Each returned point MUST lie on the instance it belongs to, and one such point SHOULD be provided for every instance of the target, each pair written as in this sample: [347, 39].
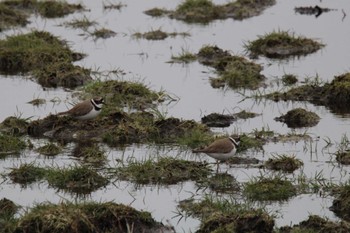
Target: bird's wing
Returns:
[80, 109]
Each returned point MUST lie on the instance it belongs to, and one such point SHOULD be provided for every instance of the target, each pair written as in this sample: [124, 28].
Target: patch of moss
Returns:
[341, 202]
[165, 171]
[7, 208]
[11, 17]
[158, 35]
[218, 120]
[221, 183]
[299, 117]
[48, 9]
[156, 12]
[77, 179]
[14, 125]
[62, 74]
[205, 11]
[90, 153]
[86, 217]
[245, 115]
[235, 71]
[224, 216]
[248, 142]
[269, 189]
[37, 102]
[343, 157]
[55, 9]
[184, 57]
[103, 33]
[284, 162]
[282, 44]
[120, 94]
[83, 23]
[289, 79]
[10, 144]
[50, 149]
[26, 174]
[40, 51]
[316, 224]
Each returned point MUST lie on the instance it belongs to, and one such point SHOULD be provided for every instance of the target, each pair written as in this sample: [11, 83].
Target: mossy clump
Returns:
[316, 224]
[165, 171]
[83, 23]
[11, 17]
[90, 153]
[235, 71]
[103, 33]
[48, 9]
[49, 149]
[46, 56]
[86, 217]
[218, 120]
[37, 102]
[156, 12]
[7, 209]
[343, 157]
[248, 142]
[143, 127]
[221, 183]
[224, 216]
[298, 118]
[158, 35]
[62, 74]
[282, 44]
[10, 144]
[27, 173]
[289, 79]
[341, 202]
[76, 179]
[120, 94]
[14, 125]
[205, 11]
[284, 163]
[183, 57]
[269, 189]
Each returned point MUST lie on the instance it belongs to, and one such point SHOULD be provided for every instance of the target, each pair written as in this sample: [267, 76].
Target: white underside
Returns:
[221, 156]
[91, 115]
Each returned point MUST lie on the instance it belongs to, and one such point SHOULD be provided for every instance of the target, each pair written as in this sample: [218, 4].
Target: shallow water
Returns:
[146, 61]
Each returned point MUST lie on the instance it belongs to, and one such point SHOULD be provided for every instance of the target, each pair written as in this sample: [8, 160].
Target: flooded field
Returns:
[184, 94]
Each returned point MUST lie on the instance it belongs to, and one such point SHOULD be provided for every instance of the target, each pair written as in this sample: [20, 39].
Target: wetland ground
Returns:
[103, 36]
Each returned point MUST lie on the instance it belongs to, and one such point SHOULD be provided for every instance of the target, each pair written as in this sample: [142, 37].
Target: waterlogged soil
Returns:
[235, 69]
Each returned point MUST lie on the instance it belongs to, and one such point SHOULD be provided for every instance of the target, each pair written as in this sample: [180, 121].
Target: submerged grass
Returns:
[50, 149]
[26, 174]
[75, 179]
[165, 171]
[10, 144]
[224, 216]
[269, 189]
[284, 162]
[11, 17]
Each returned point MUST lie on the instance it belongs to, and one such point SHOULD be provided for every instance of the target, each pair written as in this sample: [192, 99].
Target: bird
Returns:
[86, 110]
[221, 149]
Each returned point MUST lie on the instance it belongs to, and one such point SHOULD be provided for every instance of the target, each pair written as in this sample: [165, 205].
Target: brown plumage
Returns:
[85, 110]
[221, 149]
